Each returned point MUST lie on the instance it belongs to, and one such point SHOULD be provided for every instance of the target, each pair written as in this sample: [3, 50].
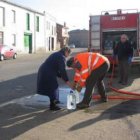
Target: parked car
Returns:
[7, 52]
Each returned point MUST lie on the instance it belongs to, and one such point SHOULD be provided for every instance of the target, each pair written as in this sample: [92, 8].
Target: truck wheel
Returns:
[15, 56]
[1, 58]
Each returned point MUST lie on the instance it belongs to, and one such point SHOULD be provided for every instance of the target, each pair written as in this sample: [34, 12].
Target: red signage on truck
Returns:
[105, 31]
[119, 21]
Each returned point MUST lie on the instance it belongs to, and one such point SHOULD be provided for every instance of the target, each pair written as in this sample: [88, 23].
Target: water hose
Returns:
[118, 90]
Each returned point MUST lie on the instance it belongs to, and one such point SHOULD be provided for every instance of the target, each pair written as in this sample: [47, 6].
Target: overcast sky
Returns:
[76, 12]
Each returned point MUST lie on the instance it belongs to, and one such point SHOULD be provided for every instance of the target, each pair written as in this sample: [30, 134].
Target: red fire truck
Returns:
[105, 31]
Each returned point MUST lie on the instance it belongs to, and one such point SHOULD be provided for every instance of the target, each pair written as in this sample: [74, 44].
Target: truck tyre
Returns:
[15, 56]
[1, 57]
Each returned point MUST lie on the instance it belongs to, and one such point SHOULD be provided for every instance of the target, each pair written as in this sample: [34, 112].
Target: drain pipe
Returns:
[34, 32]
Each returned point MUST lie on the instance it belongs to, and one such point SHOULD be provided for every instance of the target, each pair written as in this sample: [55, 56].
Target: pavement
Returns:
[26, 116]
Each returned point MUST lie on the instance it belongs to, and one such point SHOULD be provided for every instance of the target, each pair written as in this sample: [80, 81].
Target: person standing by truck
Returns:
[53, 67]
[123, 52]
[90, 70]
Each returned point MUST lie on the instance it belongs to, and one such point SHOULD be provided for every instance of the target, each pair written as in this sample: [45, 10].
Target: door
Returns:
[52, 43]
[28, 42]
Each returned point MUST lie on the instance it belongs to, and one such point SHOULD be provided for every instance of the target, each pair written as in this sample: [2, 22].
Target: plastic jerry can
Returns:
[71, 101]
[77, 94]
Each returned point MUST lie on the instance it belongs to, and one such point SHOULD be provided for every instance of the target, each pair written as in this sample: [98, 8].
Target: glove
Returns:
[129, 60]
[74, 84]
[78, 87]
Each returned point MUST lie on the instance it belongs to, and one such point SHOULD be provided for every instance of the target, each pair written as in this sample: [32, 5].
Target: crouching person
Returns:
[53, 67]
[90, 69]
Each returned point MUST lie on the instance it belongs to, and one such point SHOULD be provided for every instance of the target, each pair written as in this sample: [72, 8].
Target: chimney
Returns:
[64, 24]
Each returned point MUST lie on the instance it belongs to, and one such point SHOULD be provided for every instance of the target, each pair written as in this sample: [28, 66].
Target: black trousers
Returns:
[96, 78]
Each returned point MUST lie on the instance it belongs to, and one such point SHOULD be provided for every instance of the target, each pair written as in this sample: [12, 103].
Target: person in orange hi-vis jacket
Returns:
[90, 70]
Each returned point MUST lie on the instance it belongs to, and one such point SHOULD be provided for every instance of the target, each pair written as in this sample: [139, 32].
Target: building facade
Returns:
[50, 32]
[29, 31]
[79, 38]
[62, 35]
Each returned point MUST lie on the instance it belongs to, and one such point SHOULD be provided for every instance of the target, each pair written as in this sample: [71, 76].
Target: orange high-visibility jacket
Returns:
[89, 61]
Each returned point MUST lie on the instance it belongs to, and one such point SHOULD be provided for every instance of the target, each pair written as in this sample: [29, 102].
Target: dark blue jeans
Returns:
[54, 95]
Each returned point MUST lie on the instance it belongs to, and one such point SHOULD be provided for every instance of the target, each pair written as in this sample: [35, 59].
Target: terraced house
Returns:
[25, 28]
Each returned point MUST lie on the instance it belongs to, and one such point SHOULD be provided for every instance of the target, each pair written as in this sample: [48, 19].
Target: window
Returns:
[48, 25]
[13, 16]
[28, 21]
[52, 30]
[37, 23]
[2, 16]
[13, 39]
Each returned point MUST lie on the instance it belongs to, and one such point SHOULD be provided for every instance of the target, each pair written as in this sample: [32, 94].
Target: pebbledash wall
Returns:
[25, 29]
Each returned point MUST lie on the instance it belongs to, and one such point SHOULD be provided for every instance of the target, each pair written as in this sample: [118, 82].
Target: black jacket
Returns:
[48, 72]
[123, 51]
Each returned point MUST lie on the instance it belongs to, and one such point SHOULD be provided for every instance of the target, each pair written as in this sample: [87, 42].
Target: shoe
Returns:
[54, 107]
[120, 82]
[124, 83]
[104, 99]
[57, 102]
[82, 105]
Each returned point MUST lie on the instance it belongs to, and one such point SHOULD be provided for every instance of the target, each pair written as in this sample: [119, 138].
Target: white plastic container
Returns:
[71, 101]
[77, 94]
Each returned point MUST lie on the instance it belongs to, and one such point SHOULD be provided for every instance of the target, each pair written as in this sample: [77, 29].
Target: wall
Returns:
[19, 28]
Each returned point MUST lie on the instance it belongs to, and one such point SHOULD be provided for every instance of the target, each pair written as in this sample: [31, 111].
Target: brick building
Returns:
[62, 35]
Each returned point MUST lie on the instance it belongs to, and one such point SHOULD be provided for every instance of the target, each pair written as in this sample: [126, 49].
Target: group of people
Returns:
[90, 70]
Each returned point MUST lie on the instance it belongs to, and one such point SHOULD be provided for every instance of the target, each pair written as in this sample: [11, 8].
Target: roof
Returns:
[23, 7]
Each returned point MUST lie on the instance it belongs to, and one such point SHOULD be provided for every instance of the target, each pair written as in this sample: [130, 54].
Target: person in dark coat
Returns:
[124, 52]
[53, 67]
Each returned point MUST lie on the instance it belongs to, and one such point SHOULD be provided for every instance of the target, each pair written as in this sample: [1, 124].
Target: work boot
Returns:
[54, 107]
[104, 99]
[82, 105]
[57, 102]
[124, 83]
[119, 81]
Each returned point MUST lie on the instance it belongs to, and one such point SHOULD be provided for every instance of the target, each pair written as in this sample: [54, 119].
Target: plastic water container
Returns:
[71, 101]
[77, 94]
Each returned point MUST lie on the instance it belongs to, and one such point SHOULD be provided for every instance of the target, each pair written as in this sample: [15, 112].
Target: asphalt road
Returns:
[18, 77]
[114, 120]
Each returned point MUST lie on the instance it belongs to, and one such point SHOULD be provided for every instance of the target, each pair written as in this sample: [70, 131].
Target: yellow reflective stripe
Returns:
[96, 60]
[77, 74]
[82, 80]
[89, 60]
[84, 71]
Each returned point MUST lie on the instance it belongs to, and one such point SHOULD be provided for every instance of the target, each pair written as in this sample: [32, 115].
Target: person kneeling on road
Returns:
[90, 69]
[53, 67]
